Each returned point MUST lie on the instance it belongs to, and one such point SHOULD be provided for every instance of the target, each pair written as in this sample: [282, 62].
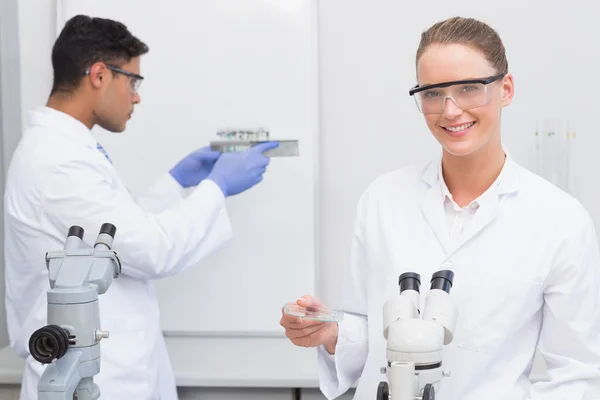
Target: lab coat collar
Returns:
[507, 182]
[61, 123]
[489, 202]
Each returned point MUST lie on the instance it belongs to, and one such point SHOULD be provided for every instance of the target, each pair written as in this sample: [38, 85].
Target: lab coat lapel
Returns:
[433, 207]
[490, 202]
[487, 212]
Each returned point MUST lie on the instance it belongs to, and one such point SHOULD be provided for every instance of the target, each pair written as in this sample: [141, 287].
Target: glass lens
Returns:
[135, 83]
[466, 97]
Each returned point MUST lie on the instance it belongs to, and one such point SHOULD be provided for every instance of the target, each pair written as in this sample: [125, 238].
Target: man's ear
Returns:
[97, 74]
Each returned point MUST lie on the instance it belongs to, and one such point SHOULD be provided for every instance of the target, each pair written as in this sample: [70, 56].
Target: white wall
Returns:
[10, 121]
[37, 32]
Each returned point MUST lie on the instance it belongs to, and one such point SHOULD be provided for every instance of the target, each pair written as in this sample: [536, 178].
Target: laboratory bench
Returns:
[233, 368]
[220, 369]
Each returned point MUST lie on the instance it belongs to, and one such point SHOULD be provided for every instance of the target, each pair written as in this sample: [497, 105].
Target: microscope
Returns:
[415, 339]
[70, 343]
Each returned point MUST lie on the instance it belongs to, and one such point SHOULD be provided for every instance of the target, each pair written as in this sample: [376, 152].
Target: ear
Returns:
[98, 75]
[508, 89]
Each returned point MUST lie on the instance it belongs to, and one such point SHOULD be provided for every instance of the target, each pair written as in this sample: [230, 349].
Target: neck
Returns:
[73, 105]
[468, 177]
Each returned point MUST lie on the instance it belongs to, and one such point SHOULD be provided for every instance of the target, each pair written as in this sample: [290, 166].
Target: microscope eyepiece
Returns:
[49, 343]
[76, 231]
[409, 281]
[106, 236]
[109, 229]
[442, 280]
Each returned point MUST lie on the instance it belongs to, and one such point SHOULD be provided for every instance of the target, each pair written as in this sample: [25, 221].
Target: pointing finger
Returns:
[262, 147]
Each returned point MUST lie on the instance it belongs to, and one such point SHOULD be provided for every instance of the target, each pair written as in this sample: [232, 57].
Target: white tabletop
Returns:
[220, 362]
[231, 362]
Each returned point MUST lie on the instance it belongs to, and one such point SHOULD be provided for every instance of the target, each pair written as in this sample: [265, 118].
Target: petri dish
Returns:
[313, 313]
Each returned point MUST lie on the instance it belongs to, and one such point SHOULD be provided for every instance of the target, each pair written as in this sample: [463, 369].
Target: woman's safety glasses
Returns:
[466, 94]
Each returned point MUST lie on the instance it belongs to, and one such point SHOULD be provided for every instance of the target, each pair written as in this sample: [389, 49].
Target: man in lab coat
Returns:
[59, 176]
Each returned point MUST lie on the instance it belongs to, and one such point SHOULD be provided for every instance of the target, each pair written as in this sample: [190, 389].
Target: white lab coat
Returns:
[58, 178]
[527, 268]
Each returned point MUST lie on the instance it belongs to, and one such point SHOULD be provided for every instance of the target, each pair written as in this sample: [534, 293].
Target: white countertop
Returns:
[220, 362]
[11, 367]
[225, 362]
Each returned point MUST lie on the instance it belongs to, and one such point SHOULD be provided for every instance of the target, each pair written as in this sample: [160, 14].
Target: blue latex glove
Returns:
[239, 171]
[194, 167]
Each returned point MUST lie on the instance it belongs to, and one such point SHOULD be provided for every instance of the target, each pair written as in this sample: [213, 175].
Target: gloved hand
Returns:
[194, 167]
[238, 171]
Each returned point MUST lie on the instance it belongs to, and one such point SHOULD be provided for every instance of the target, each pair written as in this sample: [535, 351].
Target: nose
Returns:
[451, 109]
[136, 98]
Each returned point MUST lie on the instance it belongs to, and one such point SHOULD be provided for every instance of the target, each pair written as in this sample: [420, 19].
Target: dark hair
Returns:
[468, 31]
[84, 41]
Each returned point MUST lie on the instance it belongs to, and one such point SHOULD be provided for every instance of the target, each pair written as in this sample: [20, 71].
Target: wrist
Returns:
[176, 177]
[219, 182]
[331, 343]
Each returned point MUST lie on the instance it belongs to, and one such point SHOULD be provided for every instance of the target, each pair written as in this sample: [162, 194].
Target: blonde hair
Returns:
[468, 31]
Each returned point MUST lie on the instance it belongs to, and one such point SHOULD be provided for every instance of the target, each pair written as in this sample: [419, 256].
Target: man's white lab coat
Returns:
[527, 268]
[58, 178]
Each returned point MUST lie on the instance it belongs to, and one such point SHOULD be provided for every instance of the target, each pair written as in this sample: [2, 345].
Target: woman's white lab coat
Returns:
[526, 269]
[58, 178]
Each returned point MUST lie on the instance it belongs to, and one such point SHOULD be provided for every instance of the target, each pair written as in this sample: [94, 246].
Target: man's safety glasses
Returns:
[466, 94]
[135, 80]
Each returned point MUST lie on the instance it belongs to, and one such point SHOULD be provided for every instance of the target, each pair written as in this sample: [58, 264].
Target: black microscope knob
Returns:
[428, 392]
[49, 343]
[383, 391]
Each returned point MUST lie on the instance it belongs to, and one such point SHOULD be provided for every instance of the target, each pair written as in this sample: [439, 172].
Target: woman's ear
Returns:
[508, 89]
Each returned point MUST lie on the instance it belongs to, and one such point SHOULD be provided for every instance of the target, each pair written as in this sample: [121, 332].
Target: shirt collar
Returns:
[507, 182]
[63, 124]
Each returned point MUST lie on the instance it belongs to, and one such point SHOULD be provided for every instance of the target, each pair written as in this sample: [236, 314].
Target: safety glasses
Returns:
[135, 80]
[466, 94]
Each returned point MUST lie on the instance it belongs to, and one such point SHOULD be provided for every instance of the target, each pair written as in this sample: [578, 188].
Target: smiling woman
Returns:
[475, 211]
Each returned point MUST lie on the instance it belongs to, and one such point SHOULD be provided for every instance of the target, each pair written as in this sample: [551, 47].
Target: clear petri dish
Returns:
[313, 313]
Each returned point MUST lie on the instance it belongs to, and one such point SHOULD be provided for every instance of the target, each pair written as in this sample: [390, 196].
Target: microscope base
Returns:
[70, 378]
[405, 383]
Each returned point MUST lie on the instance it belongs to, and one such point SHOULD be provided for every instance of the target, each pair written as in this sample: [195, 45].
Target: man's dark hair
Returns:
[84, 41]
